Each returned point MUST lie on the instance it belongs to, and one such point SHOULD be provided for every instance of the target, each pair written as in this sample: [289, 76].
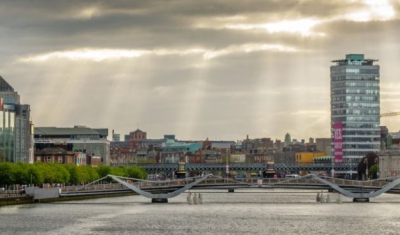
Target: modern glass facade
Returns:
[16, 143]
[7, 142]
[355, 103]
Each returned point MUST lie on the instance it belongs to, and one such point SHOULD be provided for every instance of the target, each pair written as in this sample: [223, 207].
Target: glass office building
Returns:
[16, 137]
[355, 108]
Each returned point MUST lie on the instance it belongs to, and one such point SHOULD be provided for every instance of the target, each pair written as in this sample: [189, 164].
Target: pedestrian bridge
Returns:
[160, 191]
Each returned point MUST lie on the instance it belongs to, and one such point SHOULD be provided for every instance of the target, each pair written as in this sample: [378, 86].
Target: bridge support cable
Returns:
[365, 195]
[103, 178]
[339, 189]
[387, 187]
[164, 195]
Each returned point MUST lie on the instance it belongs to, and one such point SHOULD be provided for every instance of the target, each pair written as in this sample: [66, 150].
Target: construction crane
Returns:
[390, 114]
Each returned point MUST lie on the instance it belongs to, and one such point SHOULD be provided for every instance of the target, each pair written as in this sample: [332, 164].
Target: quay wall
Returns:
[7, 201]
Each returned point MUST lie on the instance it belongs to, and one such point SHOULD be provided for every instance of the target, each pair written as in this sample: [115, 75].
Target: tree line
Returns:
[40, 173]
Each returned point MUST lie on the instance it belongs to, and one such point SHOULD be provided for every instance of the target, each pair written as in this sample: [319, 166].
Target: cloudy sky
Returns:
[196, 69]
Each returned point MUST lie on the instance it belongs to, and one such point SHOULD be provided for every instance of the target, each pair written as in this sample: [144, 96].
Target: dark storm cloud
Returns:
[209, 8]
[56, 25]
[367, 37]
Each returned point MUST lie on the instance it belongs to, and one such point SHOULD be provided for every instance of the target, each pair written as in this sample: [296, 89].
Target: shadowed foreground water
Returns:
[278, 212]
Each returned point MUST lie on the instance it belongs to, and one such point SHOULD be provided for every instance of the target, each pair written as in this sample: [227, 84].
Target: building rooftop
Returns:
[65, 131]
[4, 86]
[102, 131]
[354, 59]
[52, 150]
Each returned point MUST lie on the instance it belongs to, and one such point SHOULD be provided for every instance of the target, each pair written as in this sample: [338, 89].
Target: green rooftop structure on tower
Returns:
[355, 57]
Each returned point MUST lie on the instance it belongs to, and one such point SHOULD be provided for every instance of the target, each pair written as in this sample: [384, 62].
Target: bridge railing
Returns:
[93, 187]
[117, 186]
[220, 181]
[160, 167]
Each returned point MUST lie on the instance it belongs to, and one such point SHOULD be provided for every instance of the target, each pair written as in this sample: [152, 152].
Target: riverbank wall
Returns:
[8, 201]
[19, 200]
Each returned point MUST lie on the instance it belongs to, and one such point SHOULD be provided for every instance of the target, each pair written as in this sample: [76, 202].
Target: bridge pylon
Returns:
[159, 200]
[181, 173]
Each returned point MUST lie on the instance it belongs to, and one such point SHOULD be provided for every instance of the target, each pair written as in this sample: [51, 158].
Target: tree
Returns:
[73, 173]
[373, 171]
[103, 170]
[92, 173]
[119, 171]
[62, 174]
[137, 172]
[21, 175]
[49, 172]
[35, 174]
[6, 174]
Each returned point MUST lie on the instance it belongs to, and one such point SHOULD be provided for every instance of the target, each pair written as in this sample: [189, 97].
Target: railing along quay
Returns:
[11, 193]
[169, 167]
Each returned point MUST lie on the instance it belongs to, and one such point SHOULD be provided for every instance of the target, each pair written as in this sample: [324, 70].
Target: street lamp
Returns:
[227, 164]
[366, 168]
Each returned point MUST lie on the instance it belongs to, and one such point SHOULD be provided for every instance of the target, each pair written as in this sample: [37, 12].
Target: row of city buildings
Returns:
[355, 131]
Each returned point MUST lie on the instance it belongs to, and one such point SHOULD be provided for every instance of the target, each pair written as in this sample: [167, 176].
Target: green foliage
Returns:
[39, 173]
[62, 174]
[73, 173]
[2, 157]
[92, 173]
[35, 174]
[119, 171]
[7, 174]
[21, 174]
[136, 172]
[103, 170]
[49, 173]
[373, 171]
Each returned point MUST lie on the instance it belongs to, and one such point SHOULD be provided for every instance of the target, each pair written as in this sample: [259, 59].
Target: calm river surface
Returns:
[242, 212]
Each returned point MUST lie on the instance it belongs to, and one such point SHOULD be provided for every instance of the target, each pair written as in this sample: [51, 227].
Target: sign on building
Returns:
[338, 141]
[80, 159]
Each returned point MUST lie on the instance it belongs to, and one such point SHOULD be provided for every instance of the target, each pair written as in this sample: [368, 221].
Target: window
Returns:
[60, 159]
[48, 159]
[355, 71]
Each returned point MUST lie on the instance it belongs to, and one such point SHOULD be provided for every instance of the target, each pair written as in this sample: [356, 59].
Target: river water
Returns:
[242, 212]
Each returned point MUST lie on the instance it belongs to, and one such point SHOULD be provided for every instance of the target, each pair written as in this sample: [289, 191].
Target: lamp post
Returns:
[366, 168]
[227, 165]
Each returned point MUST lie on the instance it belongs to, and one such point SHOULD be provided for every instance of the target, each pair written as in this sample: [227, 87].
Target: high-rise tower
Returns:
[16, 134]
[355, 108]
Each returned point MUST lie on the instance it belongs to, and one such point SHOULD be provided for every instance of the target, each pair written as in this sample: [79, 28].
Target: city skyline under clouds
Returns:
[196, 69]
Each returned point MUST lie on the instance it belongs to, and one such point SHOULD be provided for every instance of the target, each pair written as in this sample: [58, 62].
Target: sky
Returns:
[216, 69]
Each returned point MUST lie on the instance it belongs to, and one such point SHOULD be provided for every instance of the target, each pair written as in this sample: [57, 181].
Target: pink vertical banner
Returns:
[338, 141]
